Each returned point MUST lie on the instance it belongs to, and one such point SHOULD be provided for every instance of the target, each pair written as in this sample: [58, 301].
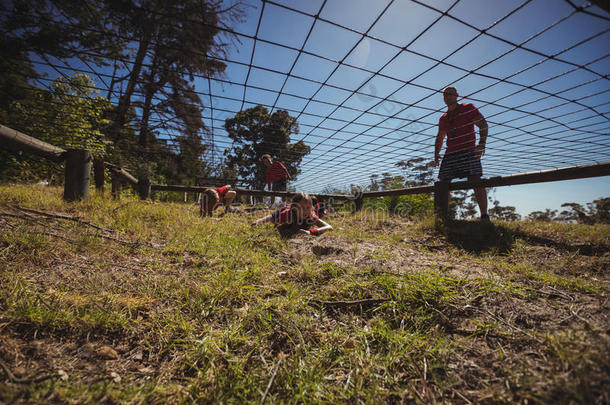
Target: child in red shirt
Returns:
[297, 218]
[276, 176]
[211, 198]
[319, 207]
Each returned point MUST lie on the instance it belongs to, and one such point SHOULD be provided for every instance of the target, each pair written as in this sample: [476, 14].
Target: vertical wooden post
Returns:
[358, 201]
[78, 175]
[143, 187]
[116, 186]
[441, 200]
[98, 173]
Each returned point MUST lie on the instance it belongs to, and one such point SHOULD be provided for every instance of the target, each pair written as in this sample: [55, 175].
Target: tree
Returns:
[505, 213]
[546, 216]
[173, 41]
[67, 116]
[418, 171]
[255, 132]
[574, 212]
[597, 211]
[600, 210]
[374, 183]
[167, 44]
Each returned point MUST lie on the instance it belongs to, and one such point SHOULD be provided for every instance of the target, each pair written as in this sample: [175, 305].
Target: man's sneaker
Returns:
[485, 217]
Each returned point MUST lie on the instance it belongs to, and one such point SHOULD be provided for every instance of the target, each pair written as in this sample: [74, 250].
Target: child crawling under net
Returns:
[212, 197]
[296, 218]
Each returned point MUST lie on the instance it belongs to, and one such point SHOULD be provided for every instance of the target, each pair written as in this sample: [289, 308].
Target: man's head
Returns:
[267, 159]
[209, 199]
[450, 95]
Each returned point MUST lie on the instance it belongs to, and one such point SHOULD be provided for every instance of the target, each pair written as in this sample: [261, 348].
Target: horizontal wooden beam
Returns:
[219, 181]
[565, 173]
[399, 191]
[243, 191]
[121, 172]
[20, 142]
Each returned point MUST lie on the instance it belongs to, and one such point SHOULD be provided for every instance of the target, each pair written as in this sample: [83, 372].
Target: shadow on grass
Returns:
[481, 236]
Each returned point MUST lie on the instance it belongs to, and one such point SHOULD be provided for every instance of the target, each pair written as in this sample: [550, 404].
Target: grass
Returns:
[200, 310]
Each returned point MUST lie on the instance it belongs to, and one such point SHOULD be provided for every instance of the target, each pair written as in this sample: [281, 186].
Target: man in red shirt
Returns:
[463, 156]
[212, 196]
[276, 176]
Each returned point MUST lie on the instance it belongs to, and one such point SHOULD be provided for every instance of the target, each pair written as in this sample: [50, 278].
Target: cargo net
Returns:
[364, 80]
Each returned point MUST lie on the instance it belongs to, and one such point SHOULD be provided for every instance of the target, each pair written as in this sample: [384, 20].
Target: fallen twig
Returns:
[463, 397]
[558, 292]
[277, 366]
[24, 380]
[101, 235]
[60, 216]
[497, 318]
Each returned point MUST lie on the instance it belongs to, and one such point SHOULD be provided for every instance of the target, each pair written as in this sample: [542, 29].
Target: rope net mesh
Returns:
[365, 79]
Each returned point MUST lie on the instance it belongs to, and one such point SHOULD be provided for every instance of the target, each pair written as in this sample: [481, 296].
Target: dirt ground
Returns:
[556, 336]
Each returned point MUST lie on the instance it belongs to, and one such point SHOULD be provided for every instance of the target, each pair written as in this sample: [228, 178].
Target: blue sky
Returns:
[364, 79]
[365, 86]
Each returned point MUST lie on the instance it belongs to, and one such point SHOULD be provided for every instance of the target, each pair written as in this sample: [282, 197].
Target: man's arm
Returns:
[438, 145]
[286, 171]
[483, 128]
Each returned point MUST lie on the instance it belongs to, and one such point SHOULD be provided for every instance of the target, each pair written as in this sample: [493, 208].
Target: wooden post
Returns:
[143, 187]
[358, 201]
[78, 175]
[441, 200]
[98, 173]
[116, 186]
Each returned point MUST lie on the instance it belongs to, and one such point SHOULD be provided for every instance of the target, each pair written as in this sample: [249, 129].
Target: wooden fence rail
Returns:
[78, 167]
[243, 191]
[441, 188]
[565, 173]
[20, 142]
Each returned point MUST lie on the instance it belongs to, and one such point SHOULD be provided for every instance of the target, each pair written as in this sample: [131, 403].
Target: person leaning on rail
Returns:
[276, 177]
[463, 156]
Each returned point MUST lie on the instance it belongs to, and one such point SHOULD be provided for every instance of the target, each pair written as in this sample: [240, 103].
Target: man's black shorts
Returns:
[279, 185]
[460, 164]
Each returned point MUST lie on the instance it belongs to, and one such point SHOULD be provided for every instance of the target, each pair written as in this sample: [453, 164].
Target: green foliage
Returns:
[169, 43]
[504, 213]
[69, 116]
[415, 205]
[545, 216]
[255, 132]
[597, 211]
[418, 171]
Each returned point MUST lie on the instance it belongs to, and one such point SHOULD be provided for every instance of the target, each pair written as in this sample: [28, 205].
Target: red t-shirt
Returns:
[222, 191]
[277, 171]
[284, 216]
[320, 210]
[459, 125]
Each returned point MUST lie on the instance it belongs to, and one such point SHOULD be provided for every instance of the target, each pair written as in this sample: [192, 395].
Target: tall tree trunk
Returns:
[125, 100]
[150, 88]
